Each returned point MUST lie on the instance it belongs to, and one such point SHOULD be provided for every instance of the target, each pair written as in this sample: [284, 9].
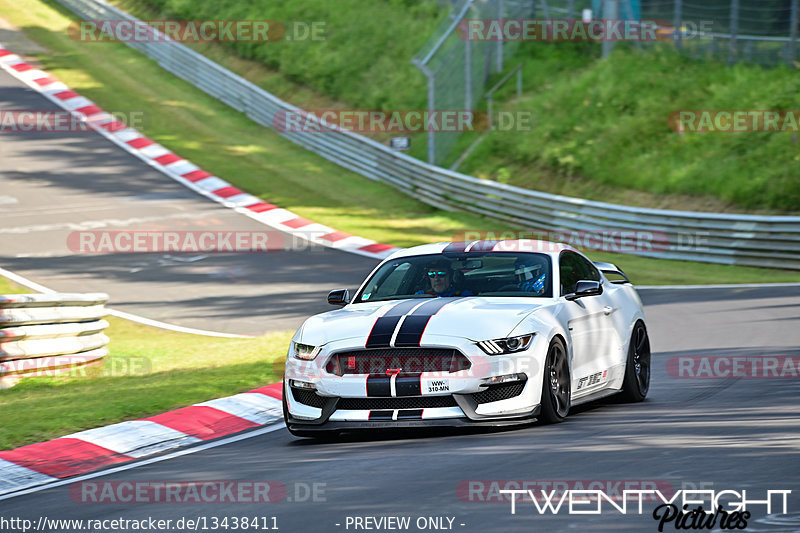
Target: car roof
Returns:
[461, 247]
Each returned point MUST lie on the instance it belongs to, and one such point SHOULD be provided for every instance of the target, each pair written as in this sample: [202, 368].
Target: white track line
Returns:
[129, 466]
[25, 282]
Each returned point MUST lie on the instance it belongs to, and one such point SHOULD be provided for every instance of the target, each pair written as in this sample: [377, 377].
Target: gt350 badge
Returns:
[591, 380]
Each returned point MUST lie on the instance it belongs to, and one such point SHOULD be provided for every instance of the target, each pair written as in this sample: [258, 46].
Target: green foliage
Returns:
[364, 58]
[606, 122]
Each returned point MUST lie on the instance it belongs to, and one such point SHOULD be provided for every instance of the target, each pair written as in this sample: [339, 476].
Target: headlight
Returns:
[507, 345]
[306, 351]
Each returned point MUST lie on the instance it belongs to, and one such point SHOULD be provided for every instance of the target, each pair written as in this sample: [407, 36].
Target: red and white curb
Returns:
[86, 451]
[183, 171]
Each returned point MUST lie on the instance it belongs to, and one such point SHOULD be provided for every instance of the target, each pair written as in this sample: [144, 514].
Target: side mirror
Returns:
[339, 297]
[585, 288]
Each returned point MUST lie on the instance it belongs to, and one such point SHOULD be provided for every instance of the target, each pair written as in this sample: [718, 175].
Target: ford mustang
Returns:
[468, 333]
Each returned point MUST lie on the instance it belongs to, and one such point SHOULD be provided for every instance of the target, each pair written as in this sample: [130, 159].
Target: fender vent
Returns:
[495, 393]
[308, 397]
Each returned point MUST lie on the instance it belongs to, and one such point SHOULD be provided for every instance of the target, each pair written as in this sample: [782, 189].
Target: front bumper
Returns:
[460, 398]
[302, 427]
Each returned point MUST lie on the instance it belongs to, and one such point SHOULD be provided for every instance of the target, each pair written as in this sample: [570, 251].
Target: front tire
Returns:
[637, 369]
[556, 384]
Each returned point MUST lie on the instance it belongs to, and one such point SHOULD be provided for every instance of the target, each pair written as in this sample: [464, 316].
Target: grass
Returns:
[601, 129]
[165, 370]
[9, 287]
[148, 371]
[229, 145]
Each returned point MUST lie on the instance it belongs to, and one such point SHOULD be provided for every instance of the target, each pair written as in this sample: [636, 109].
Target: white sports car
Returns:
[463, 334]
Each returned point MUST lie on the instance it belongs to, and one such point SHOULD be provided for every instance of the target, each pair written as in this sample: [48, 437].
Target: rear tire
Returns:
[556, 384]
[637, 369]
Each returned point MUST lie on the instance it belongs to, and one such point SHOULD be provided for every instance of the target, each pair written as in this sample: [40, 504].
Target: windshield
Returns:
[473, 274]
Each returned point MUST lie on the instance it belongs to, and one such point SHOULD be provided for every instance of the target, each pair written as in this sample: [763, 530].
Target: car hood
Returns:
[474, 318]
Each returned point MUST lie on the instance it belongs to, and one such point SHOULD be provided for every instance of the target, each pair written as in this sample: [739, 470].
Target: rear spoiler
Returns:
[609, 268]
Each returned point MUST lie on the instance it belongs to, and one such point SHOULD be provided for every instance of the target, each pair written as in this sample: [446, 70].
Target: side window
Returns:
[574, 268]
[588, 270]
[388, 284]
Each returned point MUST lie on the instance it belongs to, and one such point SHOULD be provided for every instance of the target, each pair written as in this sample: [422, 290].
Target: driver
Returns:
[440, 276]
[530, 276]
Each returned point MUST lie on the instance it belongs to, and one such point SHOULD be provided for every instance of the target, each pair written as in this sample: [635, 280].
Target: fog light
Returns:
[507, 378]
[302, 384]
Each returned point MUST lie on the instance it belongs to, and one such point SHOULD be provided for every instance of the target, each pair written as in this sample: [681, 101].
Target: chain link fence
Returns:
[457, 69]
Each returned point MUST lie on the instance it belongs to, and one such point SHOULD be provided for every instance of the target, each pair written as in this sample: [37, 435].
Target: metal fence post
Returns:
[793, 31]
[499, 65]
[431, 107]
[677, 35]
[571, 9]
[610, 12]
[733, 31]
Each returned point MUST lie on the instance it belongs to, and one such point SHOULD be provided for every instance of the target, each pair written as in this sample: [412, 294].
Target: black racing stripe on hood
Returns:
[461, 247]
[455, 247]
[483, 246]
[384, 327]
[414, 324]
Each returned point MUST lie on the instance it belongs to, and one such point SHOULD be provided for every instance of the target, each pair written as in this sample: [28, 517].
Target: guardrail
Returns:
[772, 241]
[50, 334]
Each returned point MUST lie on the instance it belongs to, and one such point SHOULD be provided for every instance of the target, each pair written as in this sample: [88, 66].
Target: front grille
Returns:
[308, 397]
[396, 360]
[412, 402]
[495, 393]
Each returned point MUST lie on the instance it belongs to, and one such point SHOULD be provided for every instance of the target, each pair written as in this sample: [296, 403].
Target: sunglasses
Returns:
[438, 274]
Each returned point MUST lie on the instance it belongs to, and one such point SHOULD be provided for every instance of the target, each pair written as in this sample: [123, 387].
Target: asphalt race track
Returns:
[712, 434]
[53, 184]
[719, 433]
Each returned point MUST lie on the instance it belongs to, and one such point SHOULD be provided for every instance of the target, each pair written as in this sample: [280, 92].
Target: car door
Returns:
[590, 326]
